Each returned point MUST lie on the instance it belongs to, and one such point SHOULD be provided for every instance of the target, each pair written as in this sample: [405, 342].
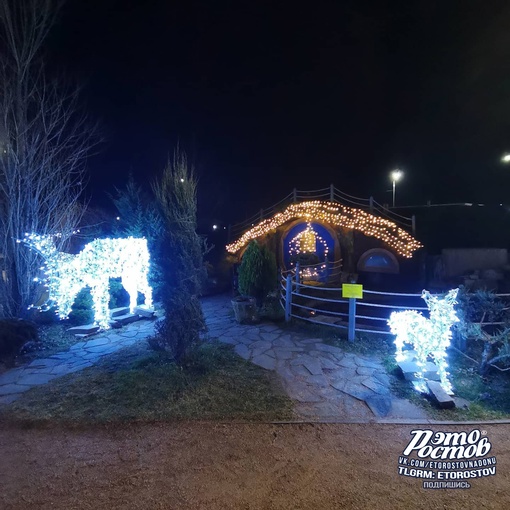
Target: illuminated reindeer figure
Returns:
[100, 260]
[429, 337]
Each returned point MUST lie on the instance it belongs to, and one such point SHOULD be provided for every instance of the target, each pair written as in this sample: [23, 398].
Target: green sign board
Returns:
[352, 290]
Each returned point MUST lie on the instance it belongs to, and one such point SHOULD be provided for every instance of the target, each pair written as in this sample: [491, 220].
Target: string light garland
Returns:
[312, 272]
[306, 242]
[337, 215]
[66, 274]
[429, 337]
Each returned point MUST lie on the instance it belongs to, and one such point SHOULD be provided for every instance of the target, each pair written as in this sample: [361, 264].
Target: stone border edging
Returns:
[382, 421]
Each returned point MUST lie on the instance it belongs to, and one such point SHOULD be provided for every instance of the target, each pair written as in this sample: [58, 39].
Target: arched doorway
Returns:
[311, 244]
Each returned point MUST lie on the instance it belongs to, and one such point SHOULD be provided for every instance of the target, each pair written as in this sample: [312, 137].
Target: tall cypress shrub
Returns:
[180, 258]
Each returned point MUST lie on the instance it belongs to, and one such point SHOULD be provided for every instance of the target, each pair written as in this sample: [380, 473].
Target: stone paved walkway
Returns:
[81, 355]
[325, 382]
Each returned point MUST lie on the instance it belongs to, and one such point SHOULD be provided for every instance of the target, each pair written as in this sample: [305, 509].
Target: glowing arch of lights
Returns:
[337, 215]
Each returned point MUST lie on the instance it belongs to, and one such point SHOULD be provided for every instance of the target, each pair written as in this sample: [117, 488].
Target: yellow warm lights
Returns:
[307, 240]
[337, 215]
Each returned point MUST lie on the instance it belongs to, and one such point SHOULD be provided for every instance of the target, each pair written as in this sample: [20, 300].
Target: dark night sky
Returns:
[265, 96]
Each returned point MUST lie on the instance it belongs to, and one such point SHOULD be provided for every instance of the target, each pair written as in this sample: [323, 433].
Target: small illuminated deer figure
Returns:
[429, 337]
[100, 260]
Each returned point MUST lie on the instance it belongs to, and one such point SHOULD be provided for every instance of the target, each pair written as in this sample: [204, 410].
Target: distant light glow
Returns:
[66, 274]
[505, 158]
[396, 175]
[429, 337]
[215, 227]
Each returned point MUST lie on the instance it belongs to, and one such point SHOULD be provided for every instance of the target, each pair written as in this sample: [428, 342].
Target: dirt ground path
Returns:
[217, 466]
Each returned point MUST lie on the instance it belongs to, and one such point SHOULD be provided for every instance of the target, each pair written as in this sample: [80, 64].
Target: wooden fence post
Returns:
[294, 195]
[298, 277]
[371, 204]
[288, 298]
[331, 193]
[413, 222]
[352, 319]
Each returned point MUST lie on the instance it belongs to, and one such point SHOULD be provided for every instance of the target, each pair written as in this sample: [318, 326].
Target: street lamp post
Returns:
[396, 175]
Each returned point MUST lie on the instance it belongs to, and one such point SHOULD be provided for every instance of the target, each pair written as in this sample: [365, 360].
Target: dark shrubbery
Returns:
[257, 272]
[118, 294]
[82, 312]
[14, 334]
[490, 343]
[219, 277]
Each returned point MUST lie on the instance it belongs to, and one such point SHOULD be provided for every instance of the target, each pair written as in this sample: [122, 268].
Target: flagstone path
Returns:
[325, 382]
[81, 355]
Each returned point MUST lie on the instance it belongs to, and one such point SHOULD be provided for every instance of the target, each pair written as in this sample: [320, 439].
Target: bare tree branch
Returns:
[45, 139]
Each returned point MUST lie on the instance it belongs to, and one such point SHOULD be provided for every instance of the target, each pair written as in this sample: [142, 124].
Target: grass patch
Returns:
[53, 338]
[489, 399]
[140, 385]
[489, 396]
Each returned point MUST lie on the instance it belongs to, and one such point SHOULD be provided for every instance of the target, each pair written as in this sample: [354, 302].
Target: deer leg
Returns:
[439, 358]
[146, 290]
[101, 297]
[129, 283]
[399, 346]
[421, 361]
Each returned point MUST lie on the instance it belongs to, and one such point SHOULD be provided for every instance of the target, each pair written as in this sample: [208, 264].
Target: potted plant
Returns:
[245, 310]
[257, 276]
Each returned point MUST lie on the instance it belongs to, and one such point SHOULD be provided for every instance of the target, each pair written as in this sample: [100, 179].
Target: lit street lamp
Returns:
[396, 175]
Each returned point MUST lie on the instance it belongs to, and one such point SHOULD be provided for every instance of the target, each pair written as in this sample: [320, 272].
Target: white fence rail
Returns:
[323, 304]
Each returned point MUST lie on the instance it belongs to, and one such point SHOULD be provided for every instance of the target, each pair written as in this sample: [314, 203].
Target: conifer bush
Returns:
[257, 272]
[179, 255]
[81, 311]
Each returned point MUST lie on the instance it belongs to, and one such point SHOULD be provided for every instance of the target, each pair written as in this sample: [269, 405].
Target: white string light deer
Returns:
[429, 337]
[66, 274]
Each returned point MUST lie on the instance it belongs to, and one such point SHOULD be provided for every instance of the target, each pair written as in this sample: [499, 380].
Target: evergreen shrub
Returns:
[82, 310]
[257, 272]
